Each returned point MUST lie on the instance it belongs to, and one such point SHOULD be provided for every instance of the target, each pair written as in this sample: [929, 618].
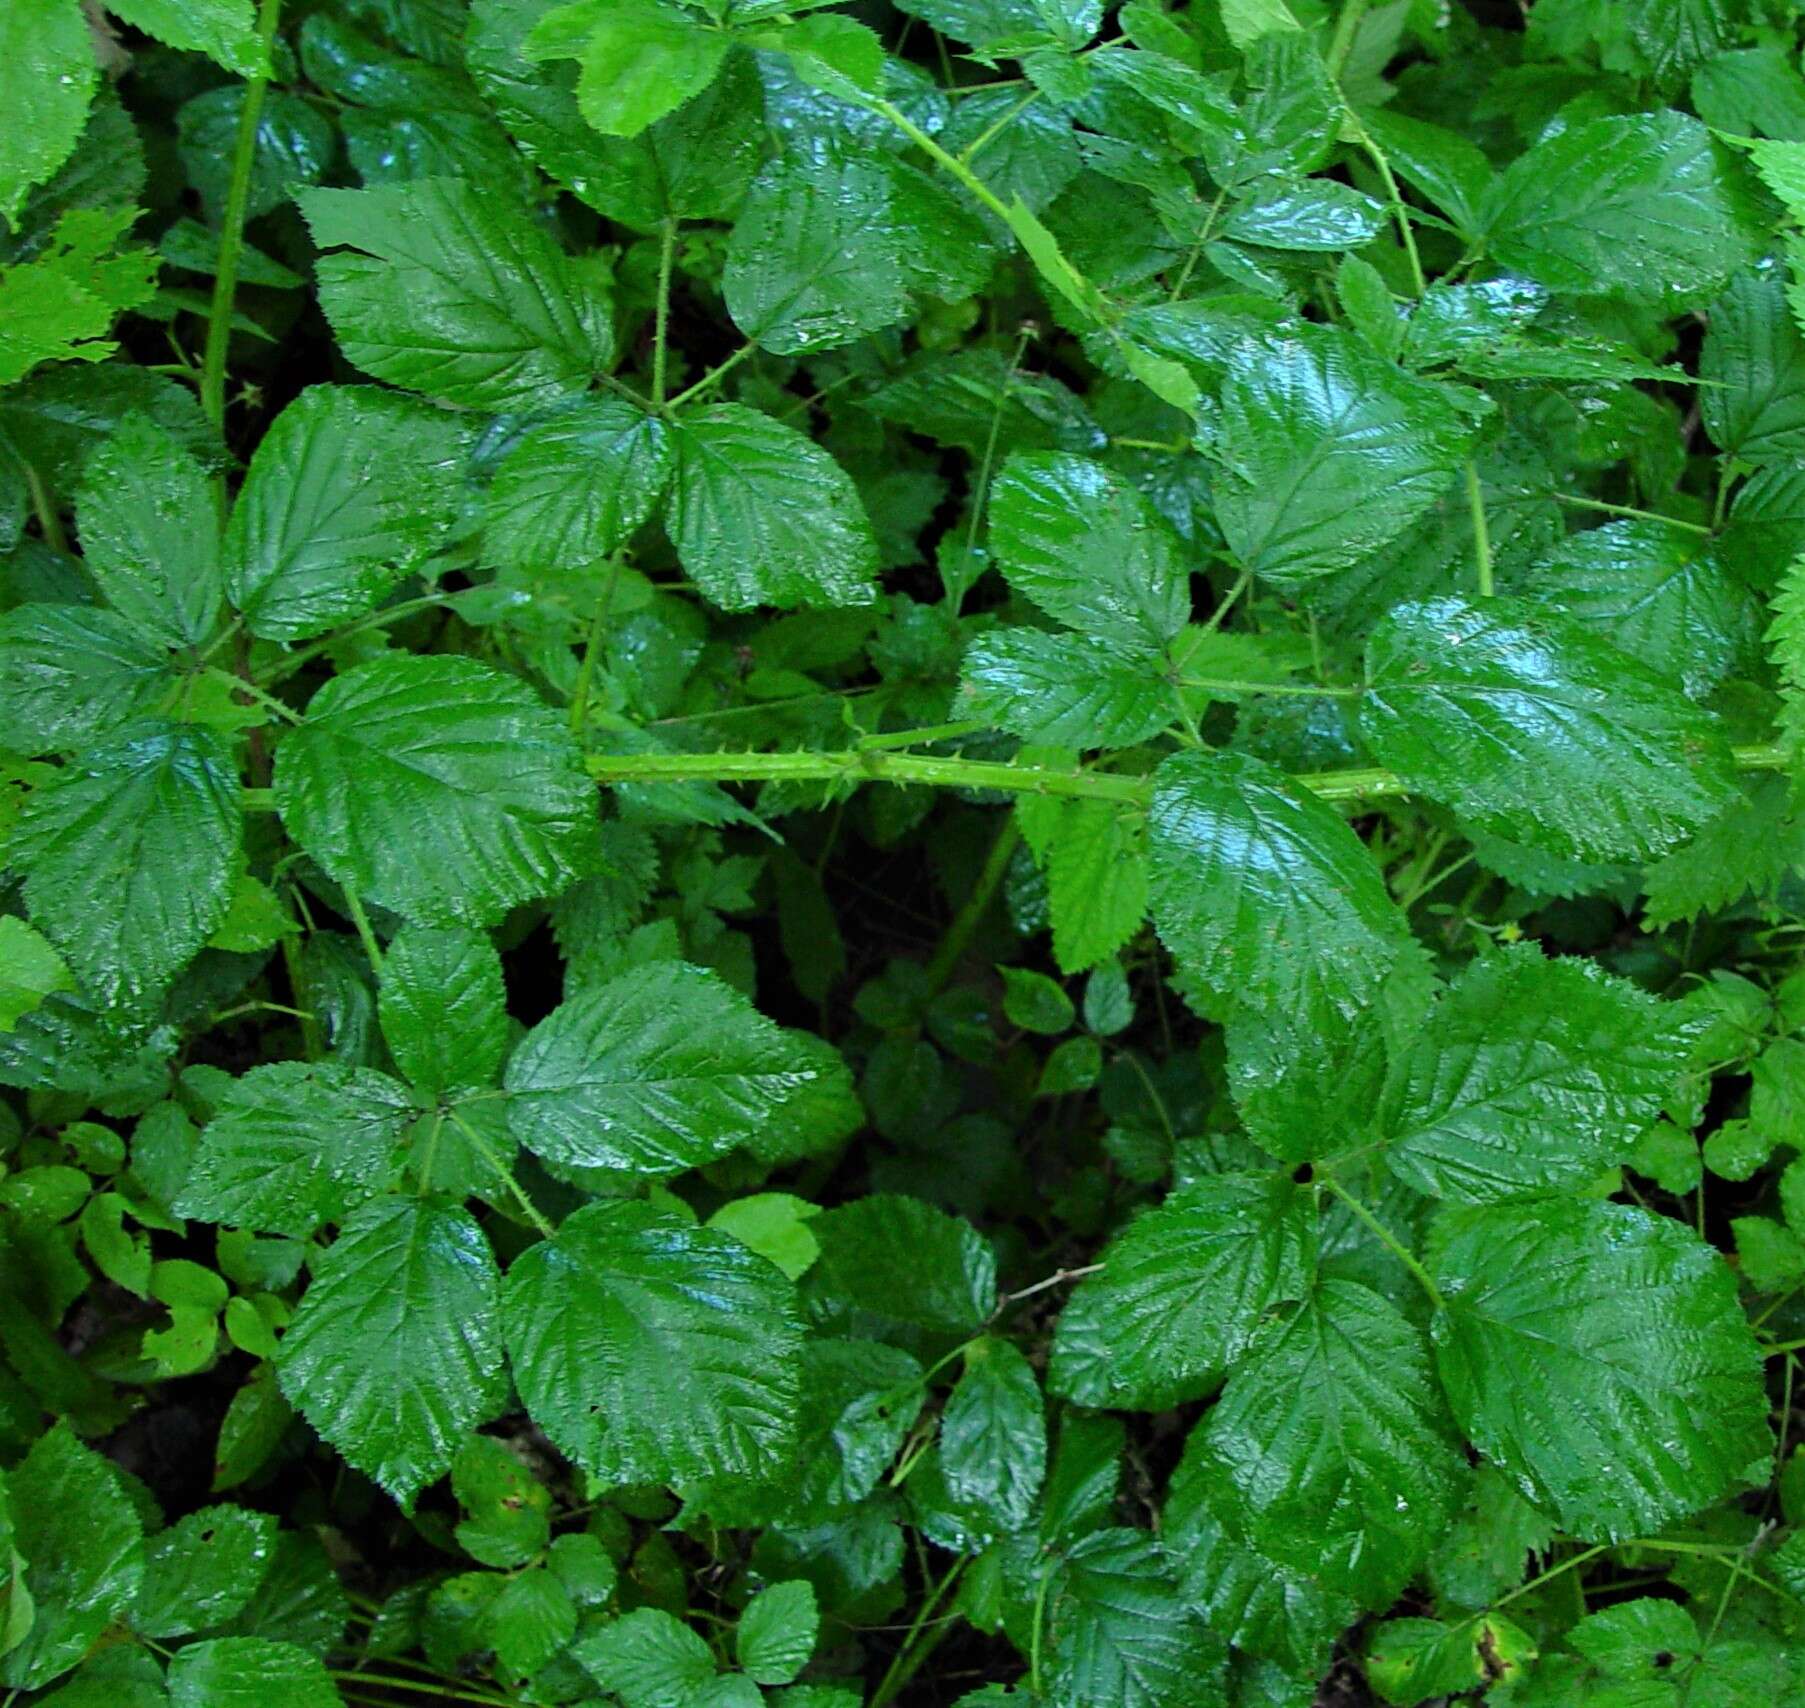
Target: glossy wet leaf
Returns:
[444, 1008]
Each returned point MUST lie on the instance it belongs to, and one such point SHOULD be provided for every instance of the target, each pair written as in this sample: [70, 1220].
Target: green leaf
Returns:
[69, 674]
[640, 58]
[650, 1351]
[1120, 1631]
[1183, 1288]
[1035, 1002]
[47, 46]
[1535, 731]
[1096, 881]
[296, 145]
[249, 1672]
[1066, 690]
[129, 853]
[1531, 1076]
[224, 30]
[440, 787]
[776, 1634]
[993, 1435]
[1643, 204]
[456, 294]
[60, 306]
[1334, 1445]
[812, 263]
[507, 1522]
[351, 488]
[577, 487]
[1752, 365]
[1576, 1335]
[295, 1144]
[395, 1351]
[1089, 550]
[444, 1009]
[202, 1570]
[143, 515]
[1326, 452]
[648, 1659]
[81, 1538]
[763, 516]
[661, 1069]
[1305, 214]
[899, 1259]
[775, 1225]
[1247, 20]
[1261, 891]
[30, 970]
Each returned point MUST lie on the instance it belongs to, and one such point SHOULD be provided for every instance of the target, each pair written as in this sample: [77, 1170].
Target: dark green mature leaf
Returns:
[1334, 1445]
[1327, 451]
[1262, 892]
[776, 1633]
[439, 787]
[81, 1539]
[1088, 550]
[295, 1144]
[813, 262]
[249, 1672]
[1534, 730]
[1066, 690]
[1598, 1356]
[899, 1259]
[1120, 1631]
[993, 1435]
[350, 489]
[129, 853]
[650, 1659]
[1531, 1076]
[70, 673]
[46, 43]
[651, 1351]
[1183, 1289]
[1646, 204]
[456, 295]
[1753, 366]
[444, 1008]
[202, 1570]
[661, 1069]
[395, 1352]
[577, 487]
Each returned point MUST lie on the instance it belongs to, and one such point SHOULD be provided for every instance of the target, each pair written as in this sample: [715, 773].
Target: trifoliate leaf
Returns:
[456, 295]
[395, 1351]
[650, 1351]
[1575, 1336]
[763, 516]
[440, 787]
[1183, 1288]
[350, 489]
[1537, 731]
[295, 1144]
[444, 1008]
[661, 1069]
[1531, 1076]
[129, 855]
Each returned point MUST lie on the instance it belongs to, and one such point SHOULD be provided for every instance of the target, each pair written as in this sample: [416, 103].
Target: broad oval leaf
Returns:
[395, 1351]
[1535, 730]
[444, 1008]
[439, 787]
[993, 1435]
[654, 1352]
[70, 673]
[1066, 690]
[1598, 1355]
[249, 1672]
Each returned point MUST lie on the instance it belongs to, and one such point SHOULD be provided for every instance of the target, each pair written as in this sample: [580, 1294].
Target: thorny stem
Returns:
[667, 255]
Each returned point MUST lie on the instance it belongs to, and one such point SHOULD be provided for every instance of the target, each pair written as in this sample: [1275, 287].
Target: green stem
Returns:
[916, 1647]
[985, 138]
[977, 904]
[287, 666]
[243, 685]
[1629, 510]
[355, 907]
[667, 255]
[924, 734]
[444, 1691]
[488, 1153]
[1341, 44]
[43, 506]
[1229, 685]
[1386, 1238]
[592, 646]
[1040, 1619]
[712, 378]
[231, 236]
[1553, 1572]
[950, 162]
[1482, 539]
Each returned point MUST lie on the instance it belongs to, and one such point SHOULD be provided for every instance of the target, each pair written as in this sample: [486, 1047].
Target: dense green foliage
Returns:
[903, 852]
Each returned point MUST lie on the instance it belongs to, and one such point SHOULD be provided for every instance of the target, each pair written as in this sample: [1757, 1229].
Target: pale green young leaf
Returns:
[661, 1069]
[1066, 690]
[993, 1435]
[395, 1351]
[30, 970]
[1260, 890]
[1644, 203]
[1183, 1288]
[295, 1144]
[813, 262]
[60, 306]
[640, 59]
[202, 1570]
[71, 673]
[1782, 168]
[224, 30]
[1535, 730]
[448, 290]
[129, 854]
[1089, 550]
[761, 515]
[349, 489]
[440, 787]
[1751, 90]
[444, 1008]
[577, 487]
[1531, 1076]
[1335, 1447]
[776, 1634]
[1327, 451]
[1786, 647]
[1576, 1335]
[46, 45]
[1096, 867]
[249, 1672]
[654, 1352]
[775, 1225]
[1247, 20]
[1752, 364]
